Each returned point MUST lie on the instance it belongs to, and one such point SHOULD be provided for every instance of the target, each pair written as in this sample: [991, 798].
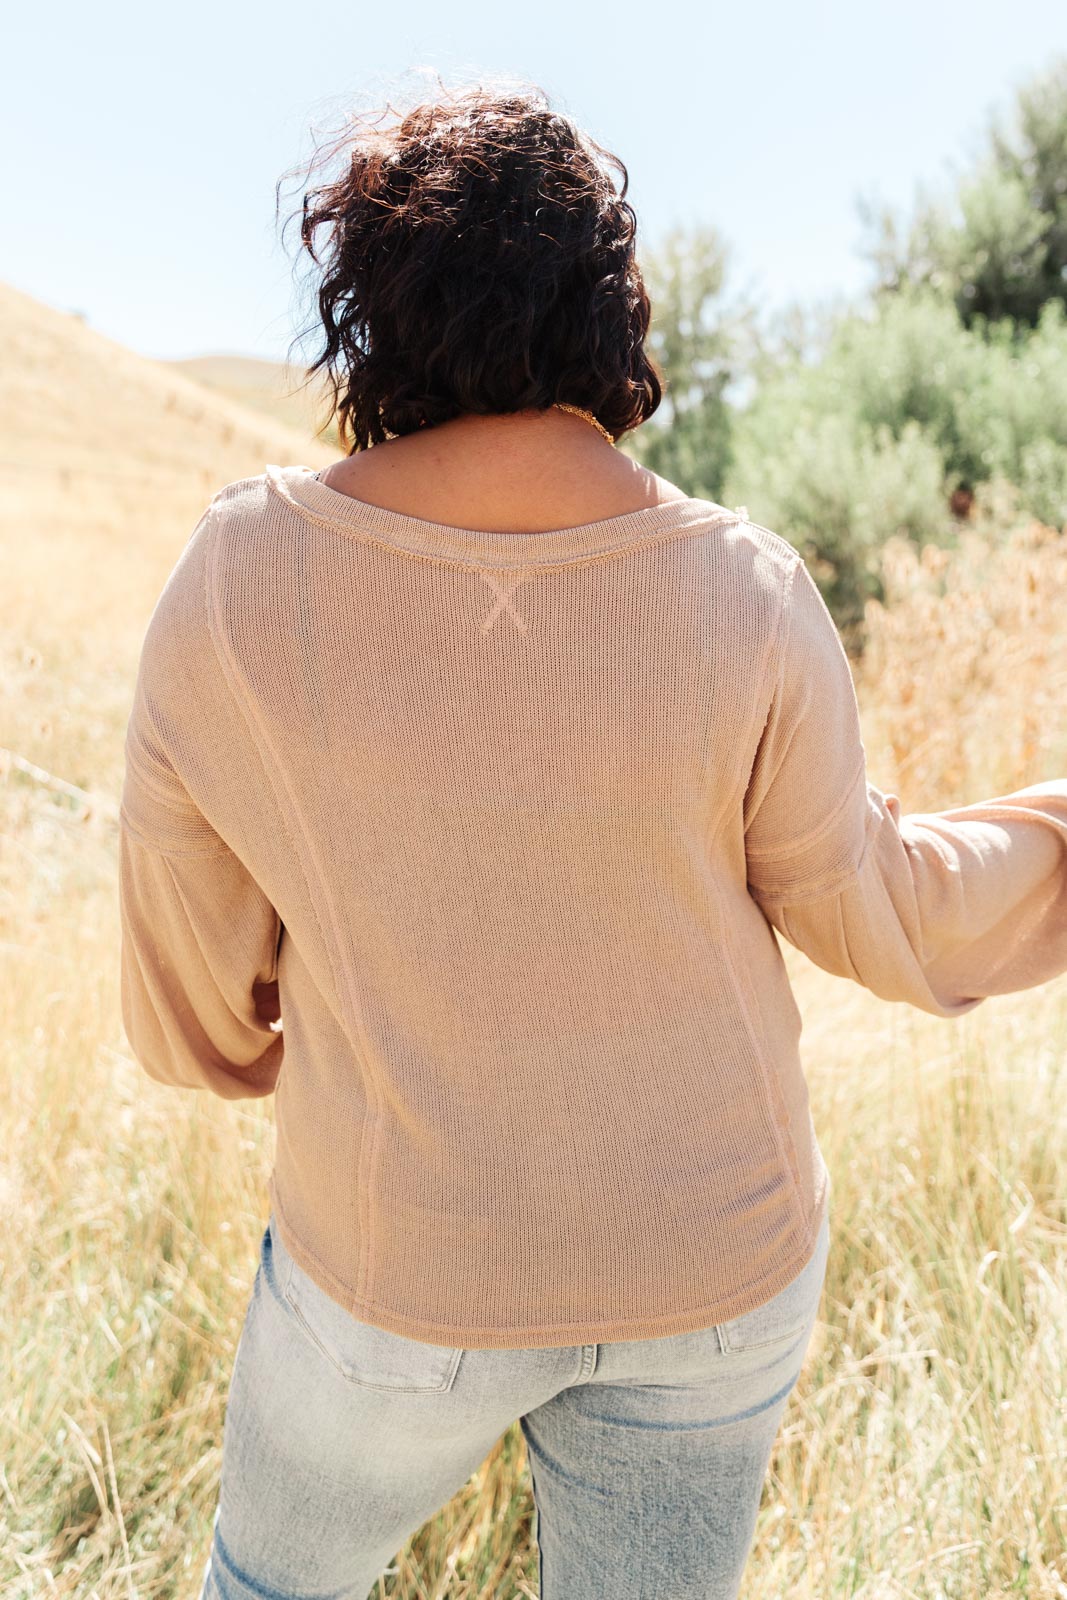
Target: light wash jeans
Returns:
[647, 1457]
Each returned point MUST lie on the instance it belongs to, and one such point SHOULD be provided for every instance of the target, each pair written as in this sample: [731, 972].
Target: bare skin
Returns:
[522, 472]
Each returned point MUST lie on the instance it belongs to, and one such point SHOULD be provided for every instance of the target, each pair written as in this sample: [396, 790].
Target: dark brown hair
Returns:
[478, 259]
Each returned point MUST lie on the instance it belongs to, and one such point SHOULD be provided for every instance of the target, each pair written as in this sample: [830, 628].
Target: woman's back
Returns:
[490, 787]
[509, 818]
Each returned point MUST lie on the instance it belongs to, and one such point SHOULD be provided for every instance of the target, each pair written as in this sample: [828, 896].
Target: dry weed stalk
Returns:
[965, 667]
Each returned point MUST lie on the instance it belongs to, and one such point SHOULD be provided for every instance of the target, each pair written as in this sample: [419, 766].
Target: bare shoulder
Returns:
[663, 489]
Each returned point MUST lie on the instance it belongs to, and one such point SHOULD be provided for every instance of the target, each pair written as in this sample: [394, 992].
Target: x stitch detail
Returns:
[503, 599]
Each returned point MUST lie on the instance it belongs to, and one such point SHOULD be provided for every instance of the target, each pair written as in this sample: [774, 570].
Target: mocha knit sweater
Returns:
[509, 825]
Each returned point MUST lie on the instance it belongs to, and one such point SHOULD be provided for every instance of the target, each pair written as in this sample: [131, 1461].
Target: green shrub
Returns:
[837, 490]
[905, 406]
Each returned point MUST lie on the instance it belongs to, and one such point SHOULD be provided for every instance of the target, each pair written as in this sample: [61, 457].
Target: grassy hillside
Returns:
[107, 461]
[80, 411]
[267, 386]
[924, 1450]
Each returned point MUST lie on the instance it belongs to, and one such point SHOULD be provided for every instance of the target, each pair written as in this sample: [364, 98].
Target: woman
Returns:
[492, 764]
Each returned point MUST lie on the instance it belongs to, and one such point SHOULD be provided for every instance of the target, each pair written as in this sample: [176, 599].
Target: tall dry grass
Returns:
[964, 668]
[924, 1450]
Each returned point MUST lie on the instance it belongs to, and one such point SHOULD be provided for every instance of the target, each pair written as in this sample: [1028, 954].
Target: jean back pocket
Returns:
[789, 1314]
[362, 1353]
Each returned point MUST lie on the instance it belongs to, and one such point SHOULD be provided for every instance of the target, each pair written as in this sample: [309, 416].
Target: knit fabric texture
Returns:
[508, 827]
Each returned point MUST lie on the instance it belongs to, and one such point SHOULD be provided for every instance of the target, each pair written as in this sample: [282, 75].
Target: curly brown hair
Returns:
[479, 259]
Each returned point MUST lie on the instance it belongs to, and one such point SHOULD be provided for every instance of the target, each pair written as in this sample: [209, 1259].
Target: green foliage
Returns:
[838, 490]
[1021, 408]
[693, 450]
[905, 406]
[911, 362]
[861, 423]
[1043, 481]
[996, 246]
[697, 338]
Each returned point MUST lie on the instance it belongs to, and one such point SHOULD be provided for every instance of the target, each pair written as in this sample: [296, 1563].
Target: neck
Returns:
[548, 427]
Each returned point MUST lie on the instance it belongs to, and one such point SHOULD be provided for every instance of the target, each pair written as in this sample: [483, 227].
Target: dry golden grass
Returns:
[269, 386]
[924, 1451]
[965, 668]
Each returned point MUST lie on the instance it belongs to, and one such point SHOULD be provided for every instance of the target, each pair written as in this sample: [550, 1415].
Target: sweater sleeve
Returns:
[941, 909]
[199, 937]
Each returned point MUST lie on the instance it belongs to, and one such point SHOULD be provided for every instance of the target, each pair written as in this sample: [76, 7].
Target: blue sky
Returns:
[141, 144]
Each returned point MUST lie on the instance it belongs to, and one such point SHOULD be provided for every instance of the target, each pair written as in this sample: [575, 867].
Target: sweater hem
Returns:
[688, 1319]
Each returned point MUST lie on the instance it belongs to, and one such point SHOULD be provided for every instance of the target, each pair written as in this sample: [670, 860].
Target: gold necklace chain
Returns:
[579, 411]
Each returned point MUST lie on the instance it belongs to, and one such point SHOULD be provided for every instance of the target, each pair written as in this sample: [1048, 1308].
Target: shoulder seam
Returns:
[783, 631]
[782, 545]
